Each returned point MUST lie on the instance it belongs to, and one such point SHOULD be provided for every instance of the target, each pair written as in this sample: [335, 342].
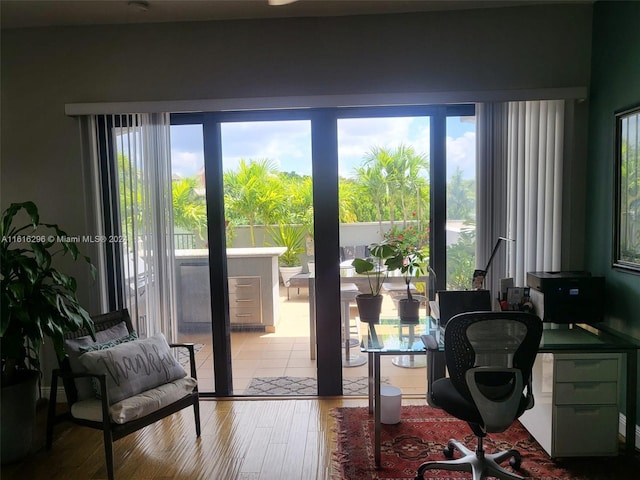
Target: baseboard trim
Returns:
[61, 396]
[622, 429]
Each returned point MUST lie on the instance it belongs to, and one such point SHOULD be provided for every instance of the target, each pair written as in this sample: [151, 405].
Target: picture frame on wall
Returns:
[627, 190]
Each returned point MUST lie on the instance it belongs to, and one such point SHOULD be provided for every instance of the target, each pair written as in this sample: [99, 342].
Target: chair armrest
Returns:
[72, 375]
[192, 356]
[430, 342]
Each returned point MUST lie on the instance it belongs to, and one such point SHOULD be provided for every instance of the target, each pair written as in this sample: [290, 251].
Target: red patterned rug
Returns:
[424, 431]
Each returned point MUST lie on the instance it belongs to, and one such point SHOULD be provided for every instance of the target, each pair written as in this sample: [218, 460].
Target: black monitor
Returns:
[453, 302]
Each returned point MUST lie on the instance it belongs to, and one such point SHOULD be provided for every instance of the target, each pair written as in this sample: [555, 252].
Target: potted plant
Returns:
[370, 304]
[38, 301]
[411, 261]
[291, 237]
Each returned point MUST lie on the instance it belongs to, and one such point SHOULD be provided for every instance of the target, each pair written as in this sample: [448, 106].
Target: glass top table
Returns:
[392, 337]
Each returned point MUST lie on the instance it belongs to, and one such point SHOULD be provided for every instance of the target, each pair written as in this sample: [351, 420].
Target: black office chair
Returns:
[489, 356]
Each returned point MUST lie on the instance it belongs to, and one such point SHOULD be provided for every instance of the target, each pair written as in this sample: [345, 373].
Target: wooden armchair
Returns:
[88, 393]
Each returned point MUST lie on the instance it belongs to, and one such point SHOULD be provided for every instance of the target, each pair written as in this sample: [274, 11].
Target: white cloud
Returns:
[186, 164]
[356, 137]
[461, 152]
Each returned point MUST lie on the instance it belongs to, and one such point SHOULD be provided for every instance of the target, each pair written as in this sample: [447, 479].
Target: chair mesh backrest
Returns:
[504, 339]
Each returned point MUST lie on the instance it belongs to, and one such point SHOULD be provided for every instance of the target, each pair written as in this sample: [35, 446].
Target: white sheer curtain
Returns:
[519, 187]
[138, 167]
[534, 195]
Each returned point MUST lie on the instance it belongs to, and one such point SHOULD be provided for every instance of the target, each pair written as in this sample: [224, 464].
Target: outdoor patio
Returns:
[279, 363]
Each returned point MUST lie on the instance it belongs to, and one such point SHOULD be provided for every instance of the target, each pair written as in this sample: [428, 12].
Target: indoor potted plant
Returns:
[411, 261]
[370, 304]
[291, 237]
[38, 301]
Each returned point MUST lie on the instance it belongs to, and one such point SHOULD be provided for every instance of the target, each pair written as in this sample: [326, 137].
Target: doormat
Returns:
[282, 386]
[183, 354]
[422, 434]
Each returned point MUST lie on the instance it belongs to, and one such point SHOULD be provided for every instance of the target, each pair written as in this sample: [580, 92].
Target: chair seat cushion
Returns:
[138, 405]
[445, 396]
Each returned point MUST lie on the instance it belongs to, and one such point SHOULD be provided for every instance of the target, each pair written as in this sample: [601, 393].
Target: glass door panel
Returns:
[269, 210]
[193, 295]
[461, 202]
[384, 195]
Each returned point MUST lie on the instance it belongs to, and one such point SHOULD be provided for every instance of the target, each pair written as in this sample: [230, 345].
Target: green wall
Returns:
[615, 84]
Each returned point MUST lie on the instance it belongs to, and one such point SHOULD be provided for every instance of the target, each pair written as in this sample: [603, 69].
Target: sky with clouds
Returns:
[288, 143]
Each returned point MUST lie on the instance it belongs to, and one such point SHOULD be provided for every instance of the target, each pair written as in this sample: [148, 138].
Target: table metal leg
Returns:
[371, 382]
[377, 408]
[349, 359]
[312, 319]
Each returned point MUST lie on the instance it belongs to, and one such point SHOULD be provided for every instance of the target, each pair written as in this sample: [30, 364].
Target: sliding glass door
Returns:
[384, 196]
[255, 191]
[268, 201]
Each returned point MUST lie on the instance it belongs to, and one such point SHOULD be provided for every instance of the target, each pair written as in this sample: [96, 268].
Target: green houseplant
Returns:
[411, 261]
[292, 238]
[37, 301]
[370, 304]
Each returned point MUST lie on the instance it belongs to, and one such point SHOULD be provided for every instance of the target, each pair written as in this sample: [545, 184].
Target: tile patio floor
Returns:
[286, 352]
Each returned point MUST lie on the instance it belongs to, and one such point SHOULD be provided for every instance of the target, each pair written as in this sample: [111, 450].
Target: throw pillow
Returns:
[134, 367]
[111, 343]
[72, 348]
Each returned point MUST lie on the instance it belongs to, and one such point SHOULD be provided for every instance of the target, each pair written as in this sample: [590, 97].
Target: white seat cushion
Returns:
[136, 406]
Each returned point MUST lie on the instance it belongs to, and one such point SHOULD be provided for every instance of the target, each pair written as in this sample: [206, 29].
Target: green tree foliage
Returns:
[253, 194]
[460, 197]
[394, 181]
[189, 206]
[461, 260]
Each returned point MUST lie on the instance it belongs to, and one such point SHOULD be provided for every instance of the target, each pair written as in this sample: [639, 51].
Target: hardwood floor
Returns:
[288, 439]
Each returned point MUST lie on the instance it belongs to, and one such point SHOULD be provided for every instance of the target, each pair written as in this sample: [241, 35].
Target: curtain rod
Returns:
[326, 101]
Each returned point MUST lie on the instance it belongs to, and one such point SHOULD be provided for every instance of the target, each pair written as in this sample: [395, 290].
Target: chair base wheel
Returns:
[480, 466]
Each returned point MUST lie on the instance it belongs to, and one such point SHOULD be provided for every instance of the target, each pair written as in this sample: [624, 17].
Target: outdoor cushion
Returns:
[137, 406]
[72, 348]
[134, 367]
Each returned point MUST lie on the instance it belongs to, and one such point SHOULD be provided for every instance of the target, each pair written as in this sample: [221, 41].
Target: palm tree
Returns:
[252, 193]
[460, 197]
[373, 184]
[408, 179]
[189, 207]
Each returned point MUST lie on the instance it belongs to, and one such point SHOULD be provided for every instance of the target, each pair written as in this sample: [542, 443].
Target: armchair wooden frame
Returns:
[113, 431]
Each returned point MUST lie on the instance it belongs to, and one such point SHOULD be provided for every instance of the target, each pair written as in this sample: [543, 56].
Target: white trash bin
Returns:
[390, 404]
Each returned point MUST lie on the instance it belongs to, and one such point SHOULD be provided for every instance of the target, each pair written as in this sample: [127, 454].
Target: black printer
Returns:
[567, 297]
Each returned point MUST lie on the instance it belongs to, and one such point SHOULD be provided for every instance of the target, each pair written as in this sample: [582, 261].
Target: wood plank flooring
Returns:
[289, 439]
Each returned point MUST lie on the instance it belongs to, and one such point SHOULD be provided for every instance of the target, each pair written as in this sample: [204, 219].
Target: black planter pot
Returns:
[369, 307]
[18, 417]
[409, 310]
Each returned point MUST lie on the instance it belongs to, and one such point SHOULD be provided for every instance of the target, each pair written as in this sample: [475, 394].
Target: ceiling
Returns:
[41, 13]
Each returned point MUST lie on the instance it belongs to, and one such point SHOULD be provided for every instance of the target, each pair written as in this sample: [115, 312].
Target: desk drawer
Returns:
[586, 393]
[586, 368]
[245, 315]
[585, 430]
[244, 287]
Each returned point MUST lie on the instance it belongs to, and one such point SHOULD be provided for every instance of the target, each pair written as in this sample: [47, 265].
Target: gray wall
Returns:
[45, 68]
